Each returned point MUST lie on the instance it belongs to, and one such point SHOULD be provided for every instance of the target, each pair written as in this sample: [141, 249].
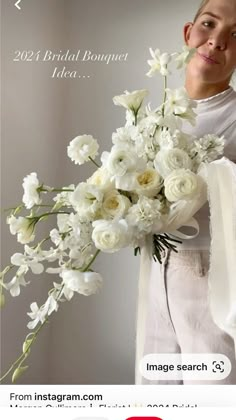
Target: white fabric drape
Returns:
[220, 177]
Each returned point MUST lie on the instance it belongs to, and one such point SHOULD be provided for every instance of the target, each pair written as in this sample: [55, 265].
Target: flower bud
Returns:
[18, 372]
[2, 300]
[26, 345]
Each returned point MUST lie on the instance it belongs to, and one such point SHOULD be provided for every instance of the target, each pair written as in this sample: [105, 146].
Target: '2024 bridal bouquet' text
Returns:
[149, 183]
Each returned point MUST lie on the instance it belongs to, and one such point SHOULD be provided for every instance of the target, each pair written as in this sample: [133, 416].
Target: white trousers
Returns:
[178, 315]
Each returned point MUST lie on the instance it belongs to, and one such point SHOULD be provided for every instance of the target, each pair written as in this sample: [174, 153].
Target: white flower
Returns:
[111, 236]
[131, 100]
[184, 56]
[86, 200]
[85, 283]
[101, 179]
[144, 214]
[182, 184]
[122, 164]
[179, 104]
[81, 148]
[14, 285]
[31, 194]
[126, 135]
[114, 205]
[50, 305]
[62, 199]
[149, 183]
[23, 227]
[27, 261]
[158, 63]
[37, 315]
[207, 148]
[168, 160]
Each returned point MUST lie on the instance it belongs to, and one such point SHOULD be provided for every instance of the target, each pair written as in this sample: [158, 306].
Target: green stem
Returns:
[95, 163]
[164, 99]
[92, 260]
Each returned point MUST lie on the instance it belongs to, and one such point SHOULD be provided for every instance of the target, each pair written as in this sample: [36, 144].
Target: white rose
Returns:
[31, 195]
[81, 148]
[131, 100]
[85, 283]
[110, 236]
[169, 160]
[101, 179]
[182, 184]
[114, 205]
[86, 200]
[149, 183]
[23, 227]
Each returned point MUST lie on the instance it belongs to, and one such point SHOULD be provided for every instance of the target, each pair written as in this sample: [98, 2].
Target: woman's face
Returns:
[213, 34]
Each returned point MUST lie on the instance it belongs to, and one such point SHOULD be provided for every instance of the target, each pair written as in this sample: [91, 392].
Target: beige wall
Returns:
[90, 340]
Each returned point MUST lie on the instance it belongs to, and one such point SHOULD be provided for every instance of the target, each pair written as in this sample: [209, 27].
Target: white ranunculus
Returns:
[111, 236]
[168, 160]
[81, 148]
[122, 160]
[31, 194]
[101, 179]
[182, 184]
[85, 283]
[23, 227]
[131, 100]
[86, 200]
[149, 183]
[114, 205]
[158, 63]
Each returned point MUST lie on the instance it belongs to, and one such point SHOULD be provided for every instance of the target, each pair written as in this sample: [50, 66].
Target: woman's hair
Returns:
[202, 5]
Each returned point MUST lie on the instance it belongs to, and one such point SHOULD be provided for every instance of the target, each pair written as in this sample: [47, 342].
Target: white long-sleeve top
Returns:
[215, 115]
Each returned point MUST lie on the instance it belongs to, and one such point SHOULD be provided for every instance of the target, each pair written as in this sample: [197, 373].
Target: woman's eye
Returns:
[208, 24]
[234, 35]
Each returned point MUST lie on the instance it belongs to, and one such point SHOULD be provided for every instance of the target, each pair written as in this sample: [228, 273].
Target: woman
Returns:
[178, 316]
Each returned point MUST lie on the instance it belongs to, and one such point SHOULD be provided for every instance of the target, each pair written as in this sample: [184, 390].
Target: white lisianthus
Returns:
[31, 187]
[131, 100]
[158, 63]
[144, 214]
[86, 200]
[81, 148]
[101, 179]
[85, 283]
[114, 205]
[182, 184]
[168, 160]
[149, 183]
[184, 56]
[111, 236]
[207, 148]
[23, 227]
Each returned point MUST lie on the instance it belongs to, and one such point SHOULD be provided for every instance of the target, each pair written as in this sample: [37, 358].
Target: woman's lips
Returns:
[208, 59]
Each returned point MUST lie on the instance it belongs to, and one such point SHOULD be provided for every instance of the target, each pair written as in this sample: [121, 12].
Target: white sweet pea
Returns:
[86, 200]
[114, 205]
[184, 56]
[23, 227]
[27, 261]
[131, 100]
[37, 315]
[81, 148]
[84, 283]
[182, 184]
[158, 63]
[168, 160]
[31, 193]
[149, 183]
[111, 236]
[18, 280]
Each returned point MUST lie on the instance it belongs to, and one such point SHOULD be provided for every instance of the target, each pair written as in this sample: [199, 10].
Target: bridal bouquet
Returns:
[149, 183]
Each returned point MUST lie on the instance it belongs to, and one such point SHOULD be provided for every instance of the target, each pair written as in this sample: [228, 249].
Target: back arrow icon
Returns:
[17, 4]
